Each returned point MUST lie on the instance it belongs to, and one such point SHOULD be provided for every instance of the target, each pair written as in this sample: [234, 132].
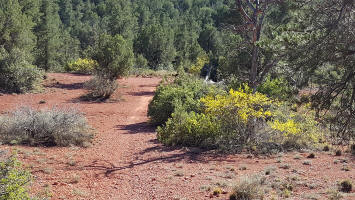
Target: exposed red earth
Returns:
[127, 162]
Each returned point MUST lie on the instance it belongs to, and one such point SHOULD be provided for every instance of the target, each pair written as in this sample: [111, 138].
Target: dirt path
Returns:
[127, 162]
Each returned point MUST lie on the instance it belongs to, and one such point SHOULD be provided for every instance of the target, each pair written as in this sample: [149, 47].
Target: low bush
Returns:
[200, 63]
[247, 189]
[189, 129]
[237, 120]
[345, 186]
[100, 88]
[277, 88]
[185, 92]
[145, 72]
[82, 65]
[61, 127]
[20, 78]
[13, 180]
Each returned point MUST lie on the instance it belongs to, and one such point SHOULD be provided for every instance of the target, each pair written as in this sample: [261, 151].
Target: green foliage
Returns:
[17, 74]
[85, 66]
[200, 63]
[236, 120]
[277, 88]
[183, 93]
[19, 79]
[141, 62]
[114, 56]
[189, 129]
[13, 180]
[61, 127]
[156, 44]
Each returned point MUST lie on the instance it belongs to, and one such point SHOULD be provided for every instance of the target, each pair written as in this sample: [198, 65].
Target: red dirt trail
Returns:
[127, 162]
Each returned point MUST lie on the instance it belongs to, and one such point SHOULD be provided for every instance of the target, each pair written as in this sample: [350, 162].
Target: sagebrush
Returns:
[47, 127]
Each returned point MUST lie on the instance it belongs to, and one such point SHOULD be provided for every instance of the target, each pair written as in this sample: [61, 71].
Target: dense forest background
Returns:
[302, 42]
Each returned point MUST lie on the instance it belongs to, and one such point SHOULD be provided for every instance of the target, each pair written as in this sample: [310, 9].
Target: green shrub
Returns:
[20, 78]
[185, 92]
[100, 88]
[114, 56]
[294, 130]
[85, 66]
[277, 88]
[62, 127]
[141, 62]
[13, 180]
[189, 129]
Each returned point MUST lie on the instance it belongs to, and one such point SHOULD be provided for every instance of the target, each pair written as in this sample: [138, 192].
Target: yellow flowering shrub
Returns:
[295, 127]
[82, 65]
[197, 67]
[243, 102]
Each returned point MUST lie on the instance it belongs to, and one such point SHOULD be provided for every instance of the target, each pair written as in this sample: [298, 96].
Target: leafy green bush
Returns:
[85, 66]
[237, 120]
[141, 62]
[13, 180]
[114, 56]
[277, 88]
[20, 78]
[185, 92]
[62, 127]
[189, 129]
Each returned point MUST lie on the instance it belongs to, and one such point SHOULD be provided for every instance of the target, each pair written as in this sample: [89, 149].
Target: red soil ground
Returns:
[127, 162]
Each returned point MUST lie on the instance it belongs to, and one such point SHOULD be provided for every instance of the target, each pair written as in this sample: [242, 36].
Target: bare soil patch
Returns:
[127, 162]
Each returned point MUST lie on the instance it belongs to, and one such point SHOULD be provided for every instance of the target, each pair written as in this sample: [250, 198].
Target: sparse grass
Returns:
[334, 195]
[49, 127]
[71, 162]
[269, 170]
[307, 162]
[74, 179]
[285, 166]
[206, 188]
[179, 174]
[297, 157]
[247, 189]
[242, 167]
[81, 193]
[47, 170]
[143, 72]
[345, 168]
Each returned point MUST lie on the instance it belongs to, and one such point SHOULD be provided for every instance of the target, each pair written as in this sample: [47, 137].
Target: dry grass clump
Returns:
[100, 88]
[248, 189]
[48, 127]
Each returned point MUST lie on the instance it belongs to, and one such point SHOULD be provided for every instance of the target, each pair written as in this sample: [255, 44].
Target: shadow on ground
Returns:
[141, 127]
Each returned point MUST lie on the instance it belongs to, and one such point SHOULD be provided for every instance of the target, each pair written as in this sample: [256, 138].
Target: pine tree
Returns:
[48, 37]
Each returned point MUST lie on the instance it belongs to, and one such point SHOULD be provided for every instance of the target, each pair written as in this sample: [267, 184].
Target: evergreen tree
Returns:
[16, 45]
[48, 37]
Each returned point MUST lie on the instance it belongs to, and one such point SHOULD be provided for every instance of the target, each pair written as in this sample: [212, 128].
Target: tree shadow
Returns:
[108, 169]
[71, 86]
[141, 127]
[142, 93]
